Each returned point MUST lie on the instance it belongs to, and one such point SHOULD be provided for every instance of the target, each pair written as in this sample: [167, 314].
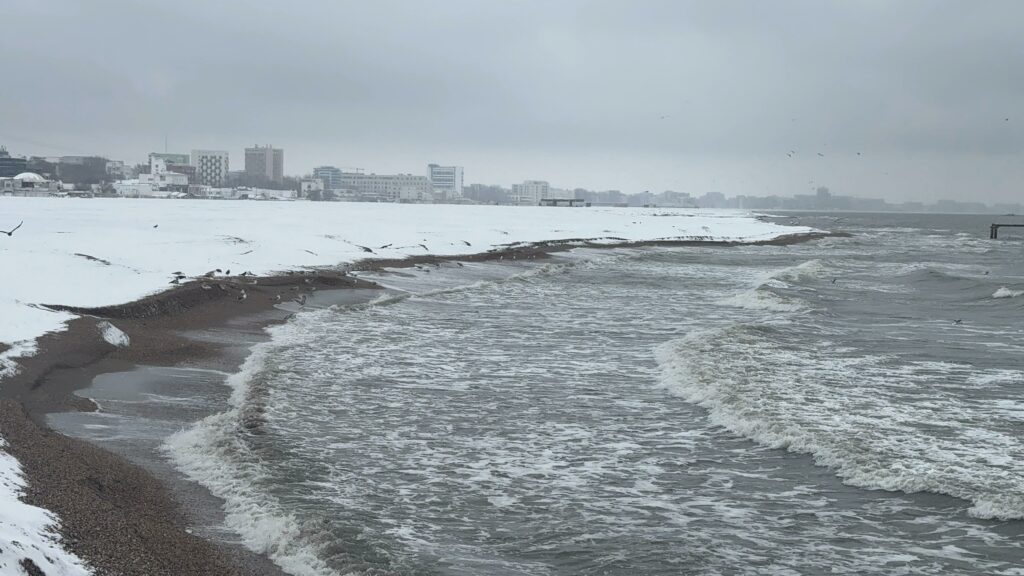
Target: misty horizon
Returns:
[916, 101]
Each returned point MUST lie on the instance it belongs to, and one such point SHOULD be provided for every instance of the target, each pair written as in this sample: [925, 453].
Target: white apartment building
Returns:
[530, 192]
[211, 167]
[387, 187]
[446, 181]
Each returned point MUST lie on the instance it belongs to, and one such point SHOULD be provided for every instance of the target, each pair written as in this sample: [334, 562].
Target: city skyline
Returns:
[907, 101]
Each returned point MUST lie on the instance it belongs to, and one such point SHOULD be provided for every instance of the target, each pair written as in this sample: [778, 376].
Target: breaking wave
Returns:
[1004, 292]
[859, 415]
[217, 453]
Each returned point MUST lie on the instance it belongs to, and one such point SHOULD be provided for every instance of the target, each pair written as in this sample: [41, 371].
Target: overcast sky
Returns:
[902, 99]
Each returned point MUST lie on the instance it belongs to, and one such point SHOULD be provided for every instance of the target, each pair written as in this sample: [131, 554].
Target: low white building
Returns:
[29, 184]
[161, 184]
[311, 186]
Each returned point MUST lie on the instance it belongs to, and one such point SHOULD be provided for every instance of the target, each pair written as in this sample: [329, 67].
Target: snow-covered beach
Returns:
[103, 252]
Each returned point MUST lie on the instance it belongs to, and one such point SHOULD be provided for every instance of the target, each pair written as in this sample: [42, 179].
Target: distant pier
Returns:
[994, 229]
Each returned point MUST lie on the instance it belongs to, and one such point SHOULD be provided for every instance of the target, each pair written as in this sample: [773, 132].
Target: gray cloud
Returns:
[632, 95]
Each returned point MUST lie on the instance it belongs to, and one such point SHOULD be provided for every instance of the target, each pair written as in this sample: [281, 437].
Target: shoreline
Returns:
[116, 514]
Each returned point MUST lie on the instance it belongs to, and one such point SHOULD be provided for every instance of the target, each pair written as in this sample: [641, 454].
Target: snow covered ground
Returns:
[108, 251]
[28, 531]
[93, 252]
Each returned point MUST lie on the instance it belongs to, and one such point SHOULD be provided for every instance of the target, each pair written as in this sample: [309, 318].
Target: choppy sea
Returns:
[852, 405]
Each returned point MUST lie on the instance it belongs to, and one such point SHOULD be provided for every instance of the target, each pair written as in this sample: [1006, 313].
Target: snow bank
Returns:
[99, 252]
[113, 335]
[27, 531]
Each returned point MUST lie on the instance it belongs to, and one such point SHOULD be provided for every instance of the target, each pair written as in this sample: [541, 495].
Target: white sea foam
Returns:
[761, 299]
[213, 452]
[113, 335]
[1005, 292]
[805, 270]
[856, 414]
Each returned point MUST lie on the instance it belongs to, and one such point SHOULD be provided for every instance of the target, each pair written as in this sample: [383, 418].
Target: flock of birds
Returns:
[230, 283]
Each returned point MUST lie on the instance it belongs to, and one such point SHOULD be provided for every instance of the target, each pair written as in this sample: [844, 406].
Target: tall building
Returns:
[11, 166]
[446, 181]
[530, 192]
[329, 175]
[211, 167]
[264, 164]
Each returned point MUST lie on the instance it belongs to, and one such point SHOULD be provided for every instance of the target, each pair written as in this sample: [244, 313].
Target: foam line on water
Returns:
[859, 415]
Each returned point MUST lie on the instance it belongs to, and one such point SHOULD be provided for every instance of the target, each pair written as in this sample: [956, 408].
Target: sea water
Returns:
[852, 405]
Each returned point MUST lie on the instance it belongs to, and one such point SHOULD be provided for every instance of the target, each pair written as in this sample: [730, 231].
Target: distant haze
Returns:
[629, 95]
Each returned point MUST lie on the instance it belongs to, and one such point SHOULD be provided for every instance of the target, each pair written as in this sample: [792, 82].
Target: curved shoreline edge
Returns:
[115, 514]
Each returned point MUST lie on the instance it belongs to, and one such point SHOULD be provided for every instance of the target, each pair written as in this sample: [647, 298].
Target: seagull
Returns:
[466, 243]
[820, 154]
[176, 280]
[384, 246]
[227, 273]
[460, 264]
[11, 233]
[301, 300]
[664, 117]
[156, 225]
[833, 280]
[276, 298]
[242, 296]
[206, 286]
[363, 248]
[424, 246]
[958, 321]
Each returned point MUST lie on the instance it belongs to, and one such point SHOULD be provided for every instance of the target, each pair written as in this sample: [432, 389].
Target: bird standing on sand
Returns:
[242, 296]
[11, 233]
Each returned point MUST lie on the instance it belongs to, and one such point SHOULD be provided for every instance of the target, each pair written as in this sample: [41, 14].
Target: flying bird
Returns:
[156, 225]
[11, 233]
[820, 154]
[363, 248]
[424, 246]
[384, 246]
[466, 243]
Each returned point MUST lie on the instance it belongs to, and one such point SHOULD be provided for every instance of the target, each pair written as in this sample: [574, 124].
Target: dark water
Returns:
[852, 405]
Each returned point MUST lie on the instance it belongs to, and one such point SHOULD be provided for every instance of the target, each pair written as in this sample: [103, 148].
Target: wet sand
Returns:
[124, 518]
